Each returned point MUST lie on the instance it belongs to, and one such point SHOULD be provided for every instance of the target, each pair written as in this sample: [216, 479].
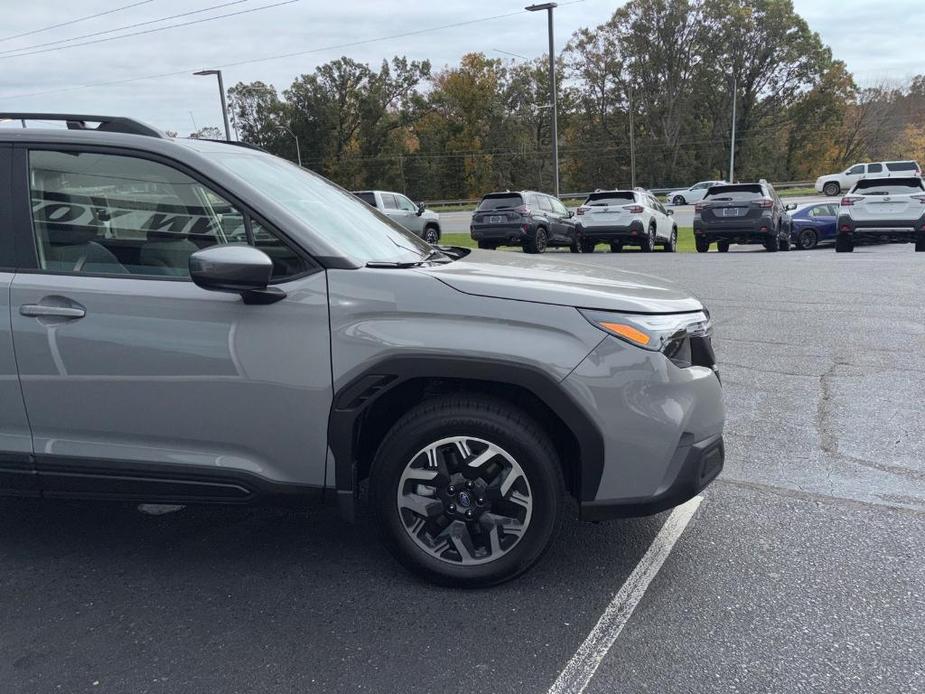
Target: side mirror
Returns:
[571, 213]
[236, 269]
[421, 208]
[670, 213]
[791, 206]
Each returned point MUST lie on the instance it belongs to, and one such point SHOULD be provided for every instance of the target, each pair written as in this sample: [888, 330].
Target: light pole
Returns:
[732, 149]
[221, 93]
[549, 7]
[298, 152]
[632, 142]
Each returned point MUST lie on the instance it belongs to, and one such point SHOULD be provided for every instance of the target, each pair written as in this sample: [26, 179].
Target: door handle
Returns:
[39, 310]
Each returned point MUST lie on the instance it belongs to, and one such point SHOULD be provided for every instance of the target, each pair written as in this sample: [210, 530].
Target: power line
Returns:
[75, 21]
[110, 31]
[186, 71]
[155, 30]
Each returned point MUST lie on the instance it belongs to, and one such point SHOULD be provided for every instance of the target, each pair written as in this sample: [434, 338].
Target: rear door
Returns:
[564, 226]
[137, 382]
[853, 175]
[877, 170]
[663, 222]
[17, 475]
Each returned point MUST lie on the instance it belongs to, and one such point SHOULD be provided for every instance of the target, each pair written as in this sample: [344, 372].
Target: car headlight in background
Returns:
[685, 338]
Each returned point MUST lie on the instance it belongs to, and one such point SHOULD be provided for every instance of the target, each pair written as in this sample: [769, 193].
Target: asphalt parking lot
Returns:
[803, 569]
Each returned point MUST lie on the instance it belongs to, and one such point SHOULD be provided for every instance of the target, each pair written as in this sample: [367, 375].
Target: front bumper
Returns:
[632, 232]
[661, 426]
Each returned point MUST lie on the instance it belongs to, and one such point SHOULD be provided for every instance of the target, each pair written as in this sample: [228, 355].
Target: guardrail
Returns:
[657, 191]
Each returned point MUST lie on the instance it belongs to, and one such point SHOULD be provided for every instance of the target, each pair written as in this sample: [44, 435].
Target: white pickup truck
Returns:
[834, 184]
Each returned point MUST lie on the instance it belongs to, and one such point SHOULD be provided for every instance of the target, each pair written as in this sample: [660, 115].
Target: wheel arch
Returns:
[374, 399]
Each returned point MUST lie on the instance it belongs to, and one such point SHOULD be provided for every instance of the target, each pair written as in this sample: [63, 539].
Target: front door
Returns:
[136, 381]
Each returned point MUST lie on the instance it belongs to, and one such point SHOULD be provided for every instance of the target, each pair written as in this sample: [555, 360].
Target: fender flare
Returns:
[367, 385]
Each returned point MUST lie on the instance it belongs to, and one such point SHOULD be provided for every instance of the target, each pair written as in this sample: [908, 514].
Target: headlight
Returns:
[685, 338]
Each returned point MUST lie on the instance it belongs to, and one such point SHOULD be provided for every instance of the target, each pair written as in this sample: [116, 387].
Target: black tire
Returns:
[616, 247]
[587, 246]
[538, 243]
[487, 245]
[702, 245]
[807, 239]
[431, 235]
[575, 246]
[648, 243]
[482, 418]
[672, 245]
[722, 246]
[678, 200]
[783, 243]
[832, 188]
[920, 242]
[844, 244]
[770, 245]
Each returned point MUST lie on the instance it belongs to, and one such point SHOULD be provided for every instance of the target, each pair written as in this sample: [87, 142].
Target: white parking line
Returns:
[581, 668]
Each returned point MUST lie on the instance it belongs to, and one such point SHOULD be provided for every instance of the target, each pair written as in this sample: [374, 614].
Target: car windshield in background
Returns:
[500, 202]
[742, 192]
[902, 166]
[345, 222]
[889, 186]
[609, 199]
[368, 198]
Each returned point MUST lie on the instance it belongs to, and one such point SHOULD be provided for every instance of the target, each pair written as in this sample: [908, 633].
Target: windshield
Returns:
[340, 218]
[740, 192]
[610, 198]
[500, 202]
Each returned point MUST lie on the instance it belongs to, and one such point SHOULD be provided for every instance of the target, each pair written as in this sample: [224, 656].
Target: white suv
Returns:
[626, 217]
[892, 208]
[834, 184]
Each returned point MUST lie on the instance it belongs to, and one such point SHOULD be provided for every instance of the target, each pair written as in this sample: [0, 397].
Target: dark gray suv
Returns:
[743, 213]
[533, 221]
[199, 322]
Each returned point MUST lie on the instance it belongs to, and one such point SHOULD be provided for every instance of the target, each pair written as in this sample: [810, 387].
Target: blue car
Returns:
[813, 224]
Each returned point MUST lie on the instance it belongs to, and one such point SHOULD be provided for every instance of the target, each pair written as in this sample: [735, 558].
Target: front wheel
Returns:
[538, 243]
[783, 243]
[467, 490]
[432, 236]
[678, 200]
[648, 243]
[672, 244]
[831, 189]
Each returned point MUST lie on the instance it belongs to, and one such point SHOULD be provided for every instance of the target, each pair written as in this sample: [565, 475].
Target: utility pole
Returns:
[732, 149]
[221, 93]
[549, 7]
[632, 142]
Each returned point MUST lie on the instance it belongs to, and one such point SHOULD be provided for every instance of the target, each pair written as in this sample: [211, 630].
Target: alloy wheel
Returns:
[431, 236]
[464, 500]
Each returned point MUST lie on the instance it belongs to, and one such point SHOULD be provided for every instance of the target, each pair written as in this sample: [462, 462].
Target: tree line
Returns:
[669, 66]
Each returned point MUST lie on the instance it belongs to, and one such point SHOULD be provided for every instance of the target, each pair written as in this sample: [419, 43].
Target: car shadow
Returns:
[218, 596]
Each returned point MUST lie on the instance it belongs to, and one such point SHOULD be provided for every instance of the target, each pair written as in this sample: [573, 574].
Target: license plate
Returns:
[495, 219]
[730, 211]
[886, 207]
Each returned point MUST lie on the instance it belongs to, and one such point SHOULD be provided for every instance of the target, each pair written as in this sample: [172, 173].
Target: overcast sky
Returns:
[878, 42]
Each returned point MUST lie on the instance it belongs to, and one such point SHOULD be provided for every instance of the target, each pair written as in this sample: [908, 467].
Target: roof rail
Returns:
[236, 143]
[109, 124]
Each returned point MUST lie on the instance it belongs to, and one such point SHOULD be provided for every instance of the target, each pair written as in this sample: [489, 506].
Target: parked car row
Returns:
[536, 221]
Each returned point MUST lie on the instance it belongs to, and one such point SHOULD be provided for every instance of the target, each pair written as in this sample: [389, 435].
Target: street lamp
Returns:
[732, 146]
[549, 7]
[221, 93]
[298, 152]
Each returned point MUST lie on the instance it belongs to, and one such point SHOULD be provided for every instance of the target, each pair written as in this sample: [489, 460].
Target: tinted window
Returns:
[368, 198]
[889, 186]
[405, 204]
[388, 201]
[501, 201]
[746, 191]
[545, 203]
[902, 166]
[102, 213]
[854, 170]
[620, 198]
[557, 206]
[875, 168]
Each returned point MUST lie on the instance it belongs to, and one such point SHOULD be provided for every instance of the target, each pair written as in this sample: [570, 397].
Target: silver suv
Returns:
[414, 217]
[200, 322]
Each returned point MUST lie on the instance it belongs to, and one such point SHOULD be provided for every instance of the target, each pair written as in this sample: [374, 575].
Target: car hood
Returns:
[514, 276]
